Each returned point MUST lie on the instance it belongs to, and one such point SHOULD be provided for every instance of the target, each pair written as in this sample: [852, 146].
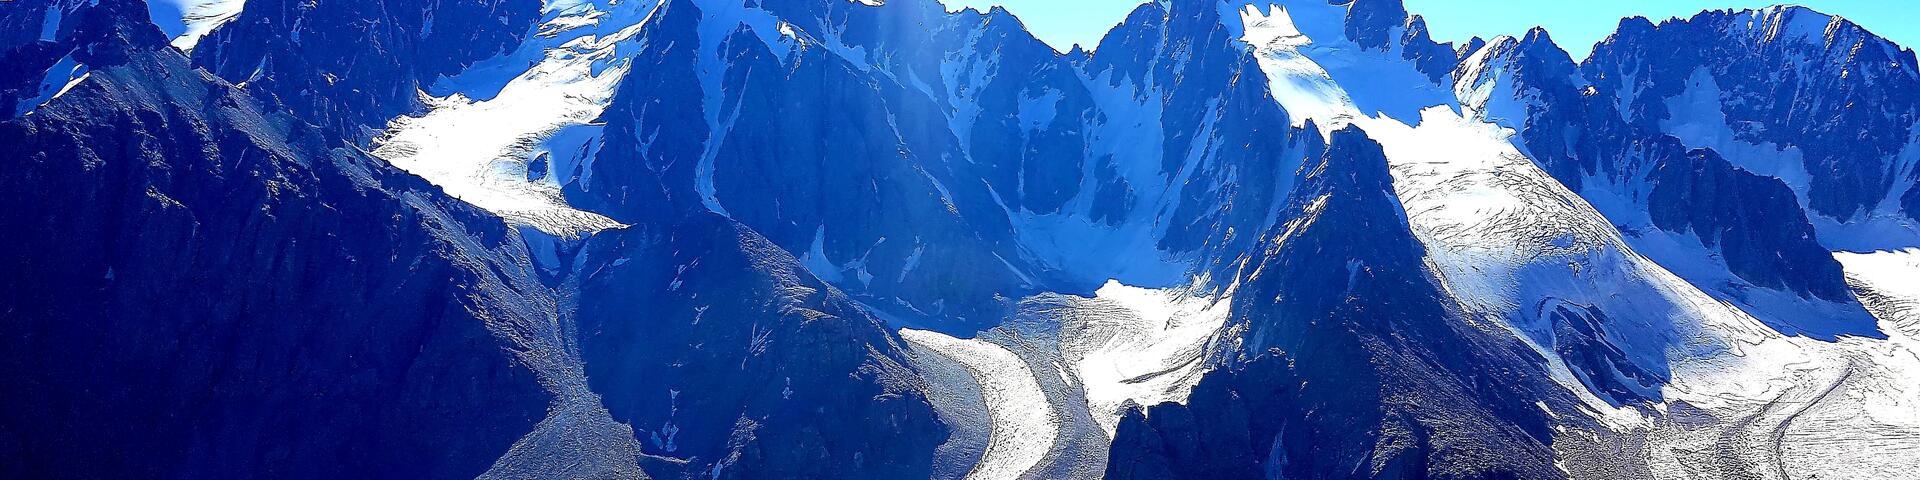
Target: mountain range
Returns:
[885, 239]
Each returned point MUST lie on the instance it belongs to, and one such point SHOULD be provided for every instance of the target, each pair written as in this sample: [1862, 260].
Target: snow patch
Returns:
[186, 21]
[1316, 72]
[1127, 138]
[1485, 87]
[62, 77]
[965, 76]
[816, 261]
[1789, 23]
[50, 24]
[1036, 113]
[1303, 87]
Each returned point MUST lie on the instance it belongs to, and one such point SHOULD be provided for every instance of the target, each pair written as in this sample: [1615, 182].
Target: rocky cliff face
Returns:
[40, 37]
[720, 350]
[1782, 77]
[811, 93]
[307, 301]
[1749, 218]
[351, 66]
[211, 288]
[1374, 377]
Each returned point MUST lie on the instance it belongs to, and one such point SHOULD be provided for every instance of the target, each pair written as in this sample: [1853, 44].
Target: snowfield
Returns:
[1889, 284]
[502, 136]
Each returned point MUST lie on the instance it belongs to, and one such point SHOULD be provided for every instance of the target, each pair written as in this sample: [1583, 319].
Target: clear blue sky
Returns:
[1576, 25]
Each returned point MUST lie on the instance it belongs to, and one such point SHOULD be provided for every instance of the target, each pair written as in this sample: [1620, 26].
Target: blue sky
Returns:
[1575, 25]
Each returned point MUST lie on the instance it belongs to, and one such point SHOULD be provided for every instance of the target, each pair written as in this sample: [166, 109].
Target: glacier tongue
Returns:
[506, 134]
[1024, 425]
[1503, 235]
[1055, 380]
[1141, 346]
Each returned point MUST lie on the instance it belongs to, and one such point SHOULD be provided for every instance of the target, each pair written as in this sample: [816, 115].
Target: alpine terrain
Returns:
[886, 239]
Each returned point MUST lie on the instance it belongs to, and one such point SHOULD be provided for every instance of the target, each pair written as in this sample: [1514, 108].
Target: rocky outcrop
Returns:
[1790, 77]
[351, 66]
[871, 188]
[1752, 220]
[730, 359]
[206, 286]
[1370, 377]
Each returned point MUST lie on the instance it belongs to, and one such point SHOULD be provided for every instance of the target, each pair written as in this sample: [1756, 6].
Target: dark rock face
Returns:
[984, 128]
[870, 184]
[1580, 339]
[351, 65]
[1228, 155]
[1032, 157]
[1370, 22]
[1752, 220]
[1569, 133]
[1184, 55]
[208, 288]
[25, 22]
[1372, 377]
[1437, 60]
[1786, 75]
[723, 352]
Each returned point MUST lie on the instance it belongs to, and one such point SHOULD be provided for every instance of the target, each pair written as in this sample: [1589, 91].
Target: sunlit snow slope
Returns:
[188, 20]
[1889, 283]
[496, 133]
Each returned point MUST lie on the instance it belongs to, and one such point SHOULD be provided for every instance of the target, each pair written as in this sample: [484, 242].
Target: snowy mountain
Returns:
[885, 239]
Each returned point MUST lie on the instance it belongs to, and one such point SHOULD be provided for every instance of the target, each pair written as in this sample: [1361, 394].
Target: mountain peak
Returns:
[1361, 165]
[1370, 23]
